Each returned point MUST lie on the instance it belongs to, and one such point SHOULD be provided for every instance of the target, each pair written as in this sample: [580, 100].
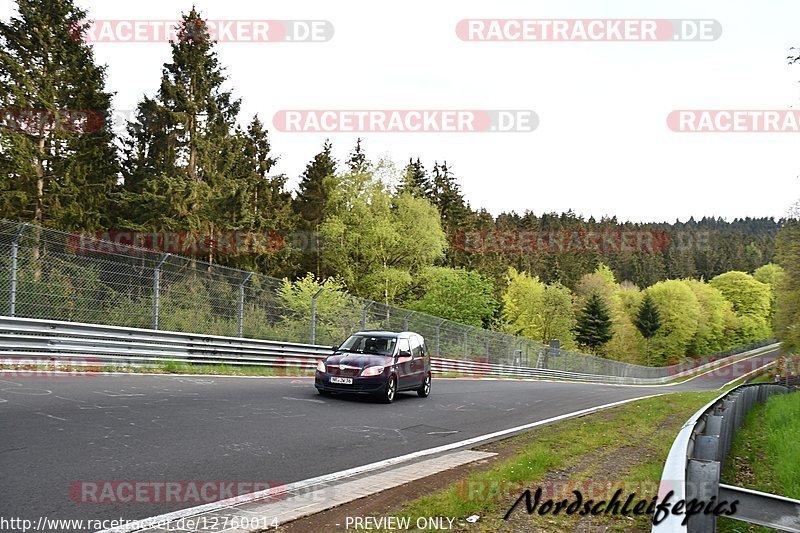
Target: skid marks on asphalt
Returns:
[371, 435]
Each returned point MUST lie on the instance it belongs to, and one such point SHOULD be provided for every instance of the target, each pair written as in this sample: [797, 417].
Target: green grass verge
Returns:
[624, 447]
[765, 454]
[174, 367]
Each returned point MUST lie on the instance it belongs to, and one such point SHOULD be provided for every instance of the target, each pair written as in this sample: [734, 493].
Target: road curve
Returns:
[58, 431]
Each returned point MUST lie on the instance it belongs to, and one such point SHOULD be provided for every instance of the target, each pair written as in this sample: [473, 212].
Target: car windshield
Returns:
[369, 344]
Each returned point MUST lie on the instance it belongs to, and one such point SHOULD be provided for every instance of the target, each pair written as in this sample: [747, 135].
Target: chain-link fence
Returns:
[54, 275]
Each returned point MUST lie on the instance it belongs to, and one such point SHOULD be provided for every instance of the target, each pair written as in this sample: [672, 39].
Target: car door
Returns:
[403, 365]
[417, 361]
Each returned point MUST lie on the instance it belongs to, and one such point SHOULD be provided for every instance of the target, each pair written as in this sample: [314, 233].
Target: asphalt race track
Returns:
[58, 431]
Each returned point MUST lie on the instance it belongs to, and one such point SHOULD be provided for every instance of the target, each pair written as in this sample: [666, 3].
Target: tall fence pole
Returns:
[466, 333]
[157, 289]
[364, 316]
[12, 297]
[405, 320]
[438, 329]
[314, 315]
[241, 302]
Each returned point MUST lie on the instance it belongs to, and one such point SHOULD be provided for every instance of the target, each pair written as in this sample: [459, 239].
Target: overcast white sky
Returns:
[602, 146]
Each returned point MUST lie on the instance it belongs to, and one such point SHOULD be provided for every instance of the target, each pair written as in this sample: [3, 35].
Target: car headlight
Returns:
[372, 371]
[320, 366]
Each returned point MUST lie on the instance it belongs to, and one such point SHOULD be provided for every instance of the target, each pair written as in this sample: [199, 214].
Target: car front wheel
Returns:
[425, 389]
[390, 391]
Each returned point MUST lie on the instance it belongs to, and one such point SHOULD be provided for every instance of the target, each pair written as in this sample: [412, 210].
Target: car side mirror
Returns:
[403, 353]
[334, 348]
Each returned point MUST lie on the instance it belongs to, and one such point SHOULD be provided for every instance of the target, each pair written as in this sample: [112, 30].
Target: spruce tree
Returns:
[58, 163]
[594, 324]
[184, 156]
[267, 206]
[456, 215]
[357, 163]
[416, 181]
[310, 202]
[648, 321]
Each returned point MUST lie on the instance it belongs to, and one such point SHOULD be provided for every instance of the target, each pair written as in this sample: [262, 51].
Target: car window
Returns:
[369, 344]
[416, 346]
[402, 345]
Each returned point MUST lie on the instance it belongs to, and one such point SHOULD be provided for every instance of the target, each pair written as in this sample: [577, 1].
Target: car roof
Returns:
[399, 334]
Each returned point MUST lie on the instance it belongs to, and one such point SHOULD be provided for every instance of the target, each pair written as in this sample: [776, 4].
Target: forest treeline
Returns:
[189, 161]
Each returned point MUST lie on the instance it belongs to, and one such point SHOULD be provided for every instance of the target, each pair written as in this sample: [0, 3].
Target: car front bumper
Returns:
[370, 385]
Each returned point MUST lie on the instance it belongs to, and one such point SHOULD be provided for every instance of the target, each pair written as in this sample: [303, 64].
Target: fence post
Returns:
[405, 320]
[314, 316]
[438, 328]
[364, 316]
[157, 289]
[466, 333]
[241, 301]
[12, 297]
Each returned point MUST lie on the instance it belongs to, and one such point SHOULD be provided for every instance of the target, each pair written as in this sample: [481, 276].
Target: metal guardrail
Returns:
[32, 340]
[28, 340]
[695, 461]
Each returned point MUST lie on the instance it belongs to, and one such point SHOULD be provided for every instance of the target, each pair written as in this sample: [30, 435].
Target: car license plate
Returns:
[342, 381]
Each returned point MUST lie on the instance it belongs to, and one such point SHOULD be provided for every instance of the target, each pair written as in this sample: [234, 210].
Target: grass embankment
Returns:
[172, 367]
[621, 448]
[765, 454]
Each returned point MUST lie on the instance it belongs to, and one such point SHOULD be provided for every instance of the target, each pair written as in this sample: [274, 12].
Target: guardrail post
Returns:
[241, 301]
[157, 289]
[364, 316]
[466, 333]
[706, 447]
[728, 407]
[12, 296]
[314, 315]
[702, 483]
[714, 427]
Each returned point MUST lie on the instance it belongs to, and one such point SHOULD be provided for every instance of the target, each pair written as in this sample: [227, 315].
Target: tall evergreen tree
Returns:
[648, 321]
[258, 203]
[454, 211]
[310, 201]
[182, 148]
[358, 162]
[416, 181]
[448, 198]
[58, 163]
[594, 324]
